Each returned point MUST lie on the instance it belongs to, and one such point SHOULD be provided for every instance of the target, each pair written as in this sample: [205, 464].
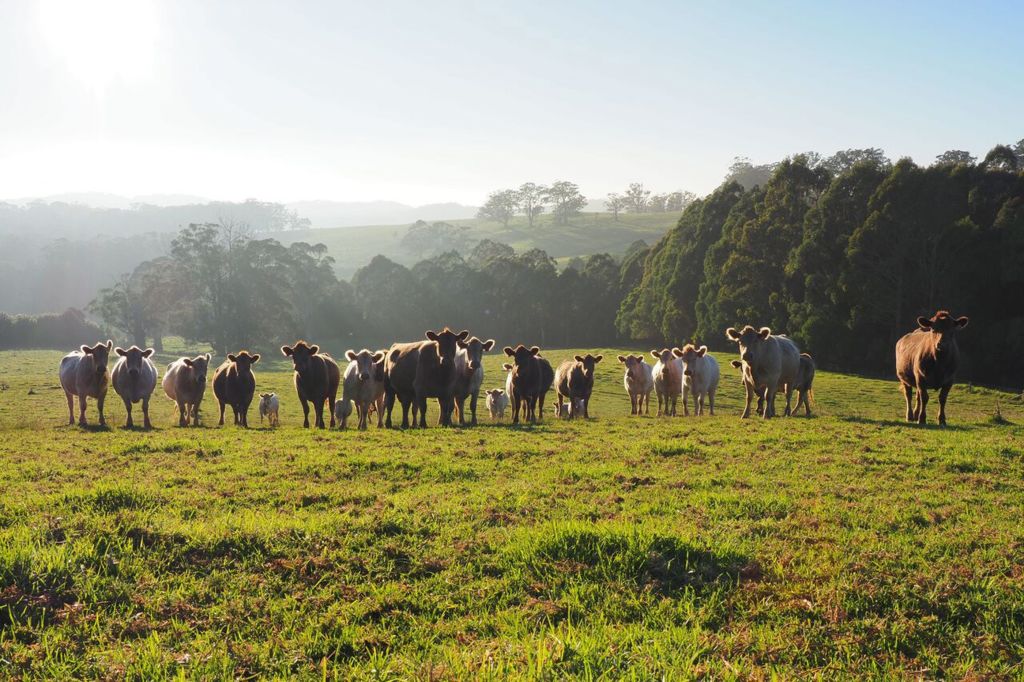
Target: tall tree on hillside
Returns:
[657, 203]
[844, 160]
[487, 250]
[501, 206]
[430, 239]
[747, 174]
[955, 157]
[615, 203]
[1001, 158]
[531, 199]
[636, 198]
[123, 307]
[566, 201]
[676, 202]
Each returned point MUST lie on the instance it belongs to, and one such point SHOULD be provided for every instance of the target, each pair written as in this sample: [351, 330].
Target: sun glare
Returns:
[100, 42]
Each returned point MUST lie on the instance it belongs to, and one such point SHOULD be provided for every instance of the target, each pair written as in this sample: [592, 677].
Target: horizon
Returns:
[232, 102]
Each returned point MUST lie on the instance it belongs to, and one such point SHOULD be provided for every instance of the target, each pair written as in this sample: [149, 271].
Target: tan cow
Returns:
[639, 382]
[668, 380]
[134, 379]
[185, 383]
[84, 373]
[927, 358]
[772, 363]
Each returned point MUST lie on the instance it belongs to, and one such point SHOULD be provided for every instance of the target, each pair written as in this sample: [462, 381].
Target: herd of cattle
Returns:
[448, 367]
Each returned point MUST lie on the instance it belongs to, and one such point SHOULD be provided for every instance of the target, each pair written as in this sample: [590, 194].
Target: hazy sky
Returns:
[436, 101]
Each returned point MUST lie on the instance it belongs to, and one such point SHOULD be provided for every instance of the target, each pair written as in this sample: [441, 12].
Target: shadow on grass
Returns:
[900, 423]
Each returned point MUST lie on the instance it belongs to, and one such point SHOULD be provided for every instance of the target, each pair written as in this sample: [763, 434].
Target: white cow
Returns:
[668, 380]
[363, 384]
[771, 363]
[84, 373]
[497, 403]
[700, 377]
[639, 382]
[270, 407]
[134, 379]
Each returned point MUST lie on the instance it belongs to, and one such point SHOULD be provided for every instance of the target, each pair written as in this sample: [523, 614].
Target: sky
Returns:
[424, 102]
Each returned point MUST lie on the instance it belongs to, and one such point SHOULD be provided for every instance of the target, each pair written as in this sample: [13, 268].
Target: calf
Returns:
[421, 370]
[748, 383]
[234, 384]
[804, 384]
[469, 371]
[134, 379]
[668, 380]
[363, 385]
[772, 363]
[316, 380]
[574, 381]
[531, 379]
[639, 382]
[700, 377]
[568, 410]
[497, 403]
[342, 411]
[185, 383]
[927, 358]
[84, 373]
[269, 407]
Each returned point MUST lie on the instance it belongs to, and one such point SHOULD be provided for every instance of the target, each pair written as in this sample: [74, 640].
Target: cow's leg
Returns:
[540, 407]
[82, 401]
[515, 407]
[460, 405]
[100, 400]
[659, 403]
[389, 405]
[750, 398]
[305, 412]
[908, 395]
[711, 403]
[922, 413]
[128, 423]
[405, 414]
[943, 392]
[331, 398]
[769, 401]
[561, 405]
[71, 407]
[675, 402]
[221, 412]
[182, 413]
[146, 424]
[318, 408]
[686, 397]
[473, 399]
[647, 404]
[245, 413]
[789, 400]
[586, 407]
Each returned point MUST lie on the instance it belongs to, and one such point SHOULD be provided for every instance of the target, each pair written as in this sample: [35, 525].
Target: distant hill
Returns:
[358, 213]
[105, 200]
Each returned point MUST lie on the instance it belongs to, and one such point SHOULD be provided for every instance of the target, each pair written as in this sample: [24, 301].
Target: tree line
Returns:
[531, 200]
[843, 253]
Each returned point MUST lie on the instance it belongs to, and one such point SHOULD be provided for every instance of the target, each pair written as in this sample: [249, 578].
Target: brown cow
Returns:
[84, 373]
[574, 382]
[185, 383]
[531, 379]
[316, 380]
[927, 358]
[234, 384]
[420, 370]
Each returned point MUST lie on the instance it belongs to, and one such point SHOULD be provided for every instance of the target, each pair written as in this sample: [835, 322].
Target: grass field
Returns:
[845, 545]
[588, 233]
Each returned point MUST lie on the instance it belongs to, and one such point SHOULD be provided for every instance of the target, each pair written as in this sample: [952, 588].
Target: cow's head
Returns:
[689, 355]
[749, 340]
[634, 366]
[943, 324]
[100, 355]
[199, 366]
[664, 356]
[447, 343]
[133, 358]
[475, 349]
[244, 360]
[366, 362]
[521, 355]
[496, 392]
[300, 353]
[589, 362]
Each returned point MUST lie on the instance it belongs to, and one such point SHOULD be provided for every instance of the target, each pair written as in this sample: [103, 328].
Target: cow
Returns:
[745, 379]
[805, 384]
[668, 380]
[639, 382]
[185, 383]
[342, 411]
[469, 369]
[531, 378]
[134, 379]
[700, 377]
[363, 385]
[316, 380]
[927, 358]
[420, 370]
[497, 403]
[270, 408]
[574, 381]
[772, 363]
[84, 373]
[234, 384]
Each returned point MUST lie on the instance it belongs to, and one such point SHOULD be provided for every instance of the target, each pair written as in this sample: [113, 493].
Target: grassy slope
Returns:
[847, 544]
[353, 247]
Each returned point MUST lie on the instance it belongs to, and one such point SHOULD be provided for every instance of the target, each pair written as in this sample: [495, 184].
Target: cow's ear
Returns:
[598, 358]
[701, 351]
[146, 353]
[187, 362]
[578, 358]
[431, 336]
[622, 358]
[732, 334]
[736, 363]
[461, 343]
[961, 322]
[110, 344]
[508, 351]
[677, 353]
[378, 356]
[264, 395]
[121, 351]
[488, 344]
[501, 391]
[208, 356]
[232, 357]
[463, 334]
[313, 350]
[534, 350]
[507, 367]
[255, 358]
[287, 350]
[765, 332]
[655, 354]
[350, 354]
[86, 349]
[924, 323]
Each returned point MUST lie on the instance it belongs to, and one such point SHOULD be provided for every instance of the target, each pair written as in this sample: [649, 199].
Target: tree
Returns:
[430, 239]
[500, 206]
[122, 307]
[487, 250]
[615, 203]
[1001, 158]
[747, 174]
[566, 201]
[1018, 150]
[636, 198]
[954, 157]
[844, 160]
[676, 202]
[531, 199]
[657, 203]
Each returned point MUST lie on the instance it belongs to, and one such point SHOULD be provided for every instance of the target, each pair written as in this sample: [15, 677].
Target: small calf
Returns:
[269, 406]
[497, 403]
[342, 411]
